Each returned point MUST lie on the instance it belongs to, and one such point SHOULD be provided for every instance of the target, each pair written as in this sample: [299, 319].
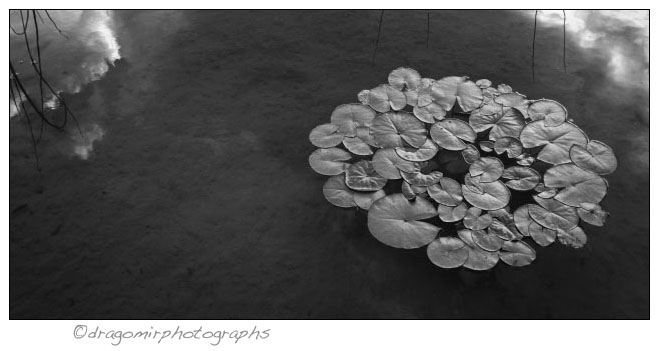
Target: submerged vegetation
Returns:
[473, 172]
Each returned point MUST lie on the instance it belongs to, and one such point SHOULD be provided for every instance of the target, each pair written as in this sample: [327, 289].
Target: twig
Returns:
[377, 40]
[535, 25]
[564, 64]
[428, 30]
[55, 25]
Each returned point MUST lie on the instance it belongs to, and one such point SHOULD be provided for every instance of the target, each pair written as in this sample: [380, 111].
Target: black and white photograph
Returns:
[311, 166]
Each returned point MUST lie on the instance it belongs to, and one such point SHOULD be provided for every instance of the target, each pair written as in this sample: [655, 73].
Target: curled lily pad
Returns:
[430, 113]
[553, 214]
[592, 214]
[596, 157]
[523, 219]
[550, 111]
[326, 135]
[578, 185]
[427, 151]
[446, 192]
[525, 159]
[357, 146]
[510, 99]
[398, 129]
[412, 97]
[363, 177]
[517, 253]
[486, 145]
[507, 219]
[411, 191]
[470, 154]
[522, 178]
[329, 161]
[404, 77]
[364, 133]
[365, 199]
[574, 237]
[383, 98]
[395, 221]
[488, 169]
[504, 88]
[478, 259]
[421, 179]
[501, 230]
[545, 192]
[475, 220]
[448, 252]
[486, 240]
[509, 123]
[541, 235]
[337, 193]
[469, 95]
[495, 195]
[489, 93]
[483, 83]
[511, 146]
[388, 164]
[350, 116]
[557, 140]
[450, 133]
[424, 92]
[451, 213]
[444, 91]
[473, 184]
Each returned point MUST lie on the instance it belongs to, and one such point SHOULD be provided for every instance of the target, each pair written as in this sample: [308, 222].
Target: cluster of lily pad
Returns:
[474, 172]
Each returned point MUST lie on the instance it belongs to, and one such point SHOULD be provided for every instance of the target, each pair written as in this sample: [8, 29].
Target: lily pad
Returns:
[510, 99]
[398, 129]
[504, 88]
[517, 253]
[383, 98]
[486, 145]
[329, 161]
[411, 191]
[592, 214]
[596, 157]
[469, 95]
[478, 259]
[326, 135]
[487, 241]
[522, 178]
[475, 220]
[553, 214]
[488, 169]
[365, 199]
[363, 177]
[511, 146]
[541, 235]
[395, 221]
[545, 192]
[483, 83]
[364, 133]
[525, 159]
[357, 146]
[574, 237]
[550, 111]
[421, 179]
[444, 91]
[450, 133]
[510, 123]
[578, 185]
[350, 116]
[451, 213]
[404, 78]
[556, 141]
[495, 195]
[427, 151]
[430, 113]
[470, 154]
[501, 230]
[337, 193]
[448, 252]
[388, 164]
[523, 219]
[446, 192]
[412, 97]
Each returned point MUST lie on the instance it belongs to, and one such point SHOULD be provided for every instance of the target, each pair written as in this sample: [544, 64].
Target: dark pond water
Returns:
[190, 195]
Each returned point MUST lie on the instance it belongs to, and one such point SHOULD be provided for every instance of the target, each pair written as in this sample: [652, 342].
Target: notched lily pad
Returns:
[430, 113]
[507, 124]
[448, 252]
[557, 140]
[404, 78]
[504, 88]
[383, 98]
[421, 179]
[488, 169]
[541, 235]
[357, 146]
[495, 195]
[478, 259]
[574, 237]
[446, 192]
[411, 191]
[517, 253]
[476, 220]
[427, 151]
[501, 230]
[578, 185]
[398, 129]
[511, 146]
[451, 213]
[486, 145]
[523, 219]
[483, 83]
[395, 221]
[450, 133]
[350, 116]
[596, 157]
[326, 135]
[486, 240]
[525, 159]
[365, 199]
[470, 154]
[550, 111]
[388, 164]
[363, 177]
[553, 214]
[592, 213]
[329, 161]
[521, 178]
[510, 99]
[337, 193]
